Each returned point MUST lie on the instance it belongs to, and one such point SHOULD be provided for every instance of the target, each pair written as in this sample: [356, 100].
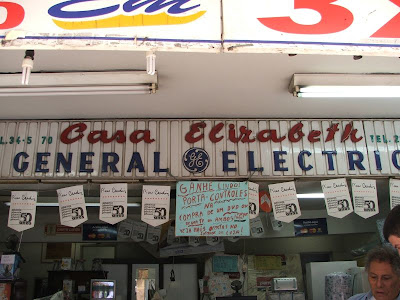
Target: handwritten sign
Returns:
[72, 207]
[337, 197]
[22, 211]
[155, 204]
[365, 197]
[113, 202]
[212, 209]
[226, 264]
[394, 192]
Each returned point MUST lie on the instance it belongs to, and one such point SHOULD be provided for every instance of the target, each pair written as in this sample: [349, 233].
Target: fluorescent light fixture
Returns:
[345, 85]
[311, 196]
[79, 83]
[54, 204]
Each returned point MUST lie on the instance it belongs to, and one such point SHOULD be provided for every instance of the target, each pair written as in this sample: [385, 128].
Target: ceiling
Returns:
[199, 85]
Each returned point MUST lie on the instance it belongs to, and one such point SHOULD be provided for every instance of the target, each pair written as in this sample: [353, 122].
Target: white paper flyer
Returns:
[22, 213]
[284, 201]
[155, 204]
[337, 197]
[254, 200]
[139, 231]
[256, 227]
[394, 192]
[153, 235]
[72, 207]
[113, 202]
[365, 197]
[125, 229]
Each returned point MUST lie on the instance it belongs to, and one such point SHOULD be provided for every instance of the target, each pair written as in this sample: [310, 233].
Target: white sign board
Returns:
[337, 197]
[394, 185]
[7, 259]
[155, 204]
[312, 26]
[365, 197]
[113, 202]
[72, 207]
[284, 201]
[254, 200]
[22, 213]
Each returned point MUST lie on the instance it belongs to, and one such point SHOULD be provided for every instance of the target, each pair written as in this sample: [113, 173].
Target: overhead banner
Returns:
[337, 197]
[292, 26]
[284, 201]
[254, 200]
[155, 204]
[212, 209]
[394, 185]
[72, 206]
[186, 149]
[365, 197]
[312, 27]
[113, 202]
[22, 213]
[189, 25]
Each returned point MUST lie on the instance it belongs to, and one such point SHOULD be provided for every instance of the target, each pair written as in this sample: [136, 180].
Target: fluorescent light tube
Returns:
[54, 204]
[311, 196]
[348, 91]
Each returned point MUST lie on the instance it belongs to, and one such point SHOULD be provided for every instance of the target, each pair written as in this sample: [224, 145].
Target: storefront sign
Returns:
[22, 213]
[113, 202]
[299, 26]
[313, 26]
[365, 197]
[139, 231]
[184, 25]
[169, 149]
[284, 201]
[254, 200]
[155, 204]
[310, 227]
[99, 232]
[394, 185]
[212, 209]
[72, 207]
[337, 197]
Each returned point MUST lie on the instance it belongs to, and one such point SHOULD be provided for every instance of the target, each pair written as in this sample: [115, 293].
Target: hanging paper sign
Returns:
[139, 231]
[171, 238]
[276, 225]
[21, 215]
[254, 200]
[256, 227]
[212, 209]
[365, 197]
[153, 235]
[72, 207]
[194, 241]
[113, 202]
[125, 229]
[155, 204]
[394, 192]
[213, 240]
[337, 197]
[265, 201]
[284, 201]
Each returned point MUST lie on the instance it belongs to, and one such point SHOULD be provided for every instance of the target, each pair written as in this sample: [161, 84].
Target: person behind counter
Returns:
[383, 267]
[391, 228]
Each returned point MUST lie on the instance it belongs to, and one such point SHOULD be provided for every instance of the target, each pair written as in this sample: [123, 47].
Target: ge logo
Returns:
[196, 160]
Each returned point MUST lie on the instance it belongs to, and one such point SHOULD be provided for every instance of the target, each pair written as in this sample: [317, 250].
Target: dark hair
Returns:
[384, 254]
[392, 223]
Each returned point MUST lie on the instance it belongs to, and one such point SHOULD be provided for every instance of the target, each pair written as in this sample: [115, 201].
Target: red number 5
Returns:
[334, 18]
[15, 15]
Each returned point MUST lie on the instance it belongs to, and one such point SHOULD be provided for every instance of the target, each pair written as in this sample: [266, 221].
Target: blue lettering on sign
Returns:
[59, 10]
[196, 160]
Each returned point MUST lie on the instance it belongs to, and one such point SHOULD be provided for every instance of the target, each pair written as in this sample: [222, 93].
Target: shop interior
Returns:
[174, 270]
